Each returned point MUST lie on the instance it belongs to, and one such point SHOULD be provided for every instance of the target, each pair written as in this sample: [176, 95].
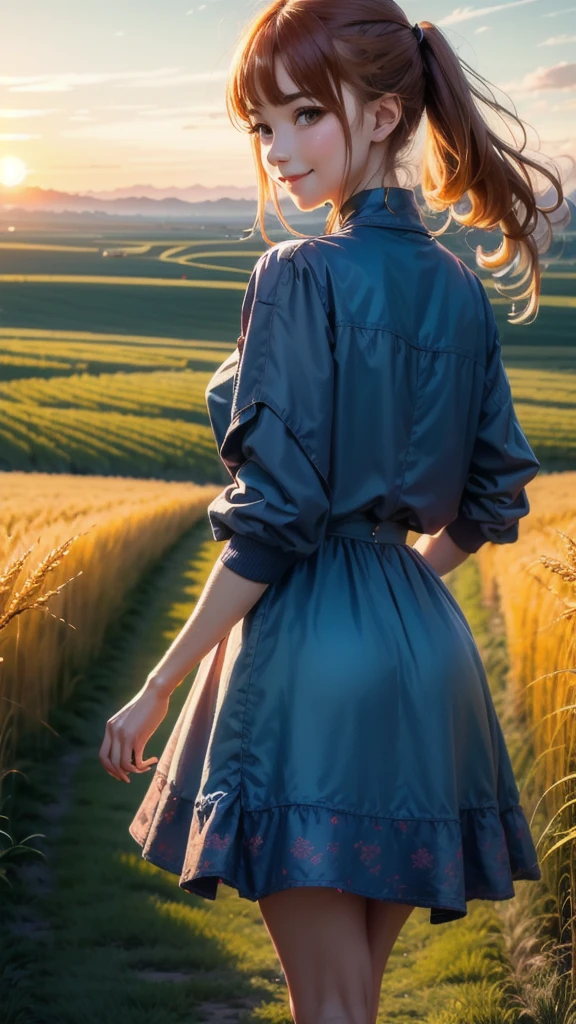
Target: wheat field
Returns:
[102, 430]
[534, 583]
[71, 548]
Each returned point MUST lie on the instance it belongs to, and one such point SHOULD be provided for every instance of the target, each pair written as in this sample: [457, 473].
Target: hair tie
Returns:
[418, 33]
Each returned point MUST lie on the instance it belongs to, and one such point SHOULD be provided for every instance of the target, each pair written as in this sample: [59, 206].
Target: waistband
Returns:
[384, 532]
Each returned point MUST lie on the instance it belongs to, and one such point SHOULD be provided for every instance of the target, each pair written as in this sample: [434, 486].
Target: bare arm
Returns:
[226, 598]
[440, 550]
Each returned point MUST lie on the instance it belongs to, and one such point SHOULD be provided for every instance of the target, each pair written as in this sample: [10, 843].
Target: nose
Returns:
[280, 162]
[278, 155]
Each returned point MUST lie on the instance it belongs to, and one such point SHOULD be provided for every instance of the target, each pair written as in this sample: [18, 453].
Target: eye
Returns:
[303, 110]
[311, 110]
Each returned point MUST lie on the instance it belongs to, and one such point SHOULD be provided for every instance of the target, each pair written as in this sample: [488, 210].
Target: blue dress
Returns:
[343, 733]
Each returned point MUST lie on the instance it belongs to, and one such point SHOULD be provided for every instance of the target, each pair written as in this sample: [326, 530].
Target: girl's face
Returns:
[304, 138]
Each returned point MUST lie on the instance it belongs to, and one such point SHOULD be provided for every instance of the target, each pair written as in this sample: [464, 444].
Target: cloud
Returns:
[465, 13]
[14, 137]
[558, 40]
[66, 81]
[166, 133]
[15, 112]
[556, 14]
[123, 106]
[184, 78]
[154, 110]
[482, 28]
[560, 76]
[536, 105]
[188, 110]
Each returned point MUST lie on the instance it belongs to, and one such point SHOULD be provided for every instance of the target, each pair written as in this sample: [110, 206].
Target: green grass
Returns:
[36, 353]
[180, 312]
[82, 441]
[127, 398]
[122, 406]
[115, 920]
[166, 393]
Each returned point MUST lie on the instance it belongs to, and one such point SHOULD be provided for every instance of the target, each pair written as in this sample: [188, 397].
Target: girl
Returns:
[338, 758]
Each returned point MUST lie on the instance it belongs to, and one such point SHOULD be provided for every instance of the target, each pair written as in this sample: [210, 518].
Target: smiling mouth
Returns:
[296, 177]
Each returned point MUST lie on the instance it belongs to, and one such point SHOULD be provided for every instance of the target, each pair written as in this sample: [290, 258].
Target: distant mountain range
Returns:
[137, 201]
[195, 202]
[190, 194]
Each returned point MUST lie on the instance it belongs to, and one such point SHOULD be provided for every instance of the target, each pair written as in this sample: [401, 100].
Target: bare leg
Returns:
[319, 935]
[384, 922]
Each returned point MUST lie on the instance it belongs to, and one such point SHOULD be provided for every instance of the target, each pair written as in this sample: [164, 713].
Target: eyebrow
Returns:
[288, 99]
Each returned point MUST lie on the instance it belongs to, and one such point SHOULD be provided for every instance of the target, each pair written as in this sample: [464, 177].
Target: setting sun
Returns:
[12, 170]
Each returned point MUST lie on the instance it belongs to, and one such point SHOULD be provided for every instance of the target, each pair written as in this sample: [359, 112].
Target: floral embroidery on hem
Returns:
[422, 858]
[494, 849]
[302, 848]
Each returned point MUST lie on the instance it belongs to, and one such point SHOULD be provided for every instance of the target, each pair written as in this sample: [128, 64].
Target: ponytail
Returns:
[377, 51]
[463, 156]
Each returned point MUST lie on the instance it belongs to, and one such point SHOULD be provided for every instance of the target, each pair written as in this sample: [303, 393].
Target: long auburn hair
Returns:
[370, 45]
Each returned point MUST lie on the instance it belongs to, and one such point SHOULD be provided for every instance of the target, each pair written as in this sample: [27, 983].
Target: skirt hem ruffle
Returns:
[440, 863]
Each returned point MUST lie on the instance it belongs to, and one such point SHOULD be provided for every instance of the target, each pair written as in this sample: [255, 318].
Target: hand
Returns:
[440, 551]
[129, 730]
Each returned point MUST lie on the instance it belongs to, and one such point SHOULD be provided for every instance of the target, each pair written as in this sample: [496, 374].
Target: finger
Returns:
[105, 745]
[104, 756]
[139, 770]
[109, 767]
[105, 753]
[126, 765]
[139, 763]
[115, 758]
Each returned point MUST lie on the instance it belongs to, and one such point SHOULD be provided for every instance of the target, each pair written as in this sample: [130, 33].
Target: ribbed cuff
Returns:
[256, 560]
[466, 534]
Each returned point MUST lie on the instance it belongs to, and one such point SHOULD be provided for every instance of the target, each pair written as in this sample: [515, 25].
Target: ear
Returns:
[387, 111]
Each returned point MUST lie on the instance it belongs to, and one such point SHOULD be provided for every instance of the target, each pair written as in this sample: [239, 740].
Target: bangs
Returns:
[307, 38]
[305, 48]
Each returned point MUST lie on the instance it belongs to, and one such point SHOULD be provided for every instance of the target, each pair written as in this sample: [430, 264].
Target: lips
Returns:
[296, 177]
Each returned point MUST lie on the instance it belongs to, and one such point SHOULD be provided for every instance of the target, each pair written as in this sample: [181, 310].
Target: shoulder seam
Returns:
[271, 301]
[298, 246]
[286, 256]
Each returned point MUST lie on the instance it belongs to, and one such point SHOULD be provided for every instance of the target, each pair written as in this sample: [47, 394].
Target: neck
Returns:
[388, 180]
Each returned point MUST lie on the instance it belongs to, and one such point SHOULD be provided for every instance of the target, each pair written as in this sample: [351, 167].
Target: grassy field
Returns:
[127, 397]
[118, 938]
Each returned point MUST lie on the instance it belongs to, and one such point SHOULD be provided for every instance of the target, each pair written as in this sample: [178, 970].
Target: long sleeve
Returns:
[277, 447]
[502, 462]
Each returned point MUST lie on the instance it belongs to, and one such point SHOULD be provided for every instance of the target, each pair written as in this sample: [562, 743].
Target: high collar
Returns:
[389, 206]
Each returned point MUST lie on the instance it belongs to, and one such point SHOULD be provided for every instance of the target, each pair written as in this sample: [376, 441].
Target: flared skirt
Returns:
[343, 734]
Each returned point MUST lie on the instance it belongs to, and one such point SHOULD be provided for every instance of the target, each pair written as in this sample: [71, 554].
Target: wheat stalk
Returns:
[566, 572]
[27, 598]
[12, 572]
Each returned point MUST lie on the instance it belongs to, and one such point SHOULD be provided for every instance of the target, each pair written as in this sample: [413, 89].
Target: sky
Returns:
[101, 96]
